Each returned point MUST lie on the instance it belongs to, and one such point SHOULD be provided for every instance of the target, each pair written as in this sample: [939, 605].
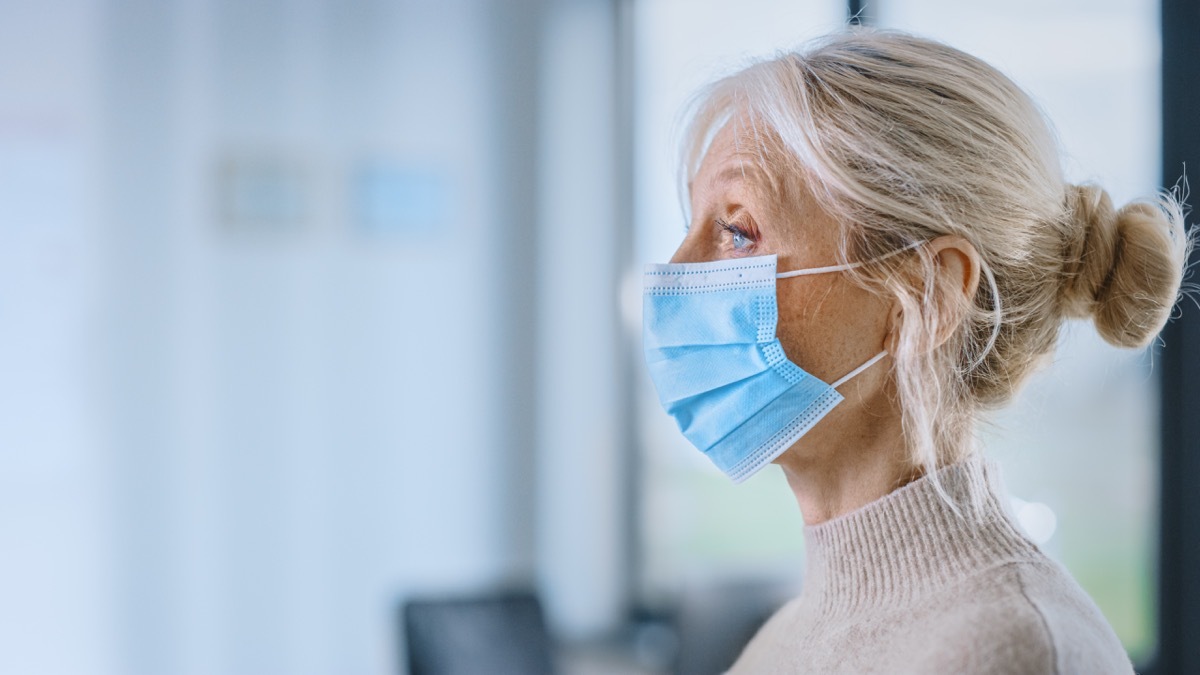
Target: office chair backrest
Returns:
[498, 634]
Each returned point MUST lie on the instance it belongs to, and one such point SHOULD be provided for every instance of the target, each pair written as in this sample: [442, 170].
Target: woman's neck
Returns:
[854, 456]
[833, 489]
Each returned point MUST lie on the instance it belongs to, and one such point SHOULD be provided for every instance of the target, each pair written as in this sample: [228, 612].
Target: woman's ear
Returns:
[957, 266]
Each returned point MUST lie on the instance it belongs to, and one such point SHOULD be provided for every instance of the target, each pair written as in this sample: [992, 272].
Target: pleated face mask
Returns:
[718, 367]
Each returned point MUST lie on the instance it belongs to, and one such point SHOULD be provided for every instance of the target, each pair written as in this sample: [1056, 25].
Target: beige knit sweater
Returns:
[904, 585]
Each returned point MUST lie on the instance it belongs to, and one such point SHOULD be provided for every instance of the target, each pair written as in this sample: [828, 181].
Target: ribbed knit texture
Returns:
[906, 585]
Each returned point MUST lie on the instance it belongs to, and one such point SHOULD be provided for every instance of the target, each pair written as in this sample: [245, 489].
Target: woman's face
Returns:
[827, 325]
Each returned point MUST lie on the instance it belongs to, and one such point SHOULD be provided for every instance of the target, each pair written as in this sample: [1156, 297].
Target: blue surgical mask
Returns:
[720, 371]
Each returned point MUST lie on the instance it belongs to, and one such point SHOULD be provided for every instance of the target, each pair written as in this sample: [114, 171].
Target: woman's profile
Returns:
[882, 248]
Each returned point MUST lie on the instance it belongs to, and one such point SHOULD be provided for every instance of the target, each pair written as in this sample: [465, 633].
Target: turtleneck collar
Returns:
[911, 541]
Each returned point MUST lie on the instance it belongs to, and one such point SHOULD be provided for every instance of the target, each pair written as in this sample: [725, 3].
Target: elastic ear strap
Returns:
[847, 266]
[870, 362]
[819, 270]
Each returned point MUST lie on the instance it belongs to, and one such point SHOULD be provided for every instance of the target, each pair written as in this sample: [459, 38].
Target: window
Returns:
[1079, 446]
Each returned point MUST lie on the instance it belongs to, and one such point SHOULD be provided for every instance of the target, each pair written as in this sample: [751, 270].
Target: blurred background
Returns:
[321, 325]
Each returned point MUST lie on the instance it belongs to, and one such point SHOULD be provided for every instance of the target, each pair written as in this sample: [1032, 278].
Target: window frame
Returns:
[1179, 371]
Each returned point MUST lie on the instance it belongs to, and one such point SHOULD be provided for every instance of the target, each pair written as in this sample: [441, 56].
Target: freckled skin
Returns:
[827, 325]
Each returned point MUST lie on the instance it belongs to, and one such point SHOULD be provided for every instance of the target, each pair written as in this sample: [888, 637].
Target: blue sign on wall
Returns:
[399, 199]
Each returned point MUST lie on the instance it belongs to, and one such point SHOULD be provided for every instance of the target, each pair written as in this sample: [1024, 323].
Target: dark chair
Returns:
[468, 636]
[717, 622]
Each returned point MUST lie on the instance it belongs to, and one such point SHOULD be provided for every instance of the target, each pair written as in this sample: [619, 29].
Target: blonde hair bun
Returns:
[1123, 267]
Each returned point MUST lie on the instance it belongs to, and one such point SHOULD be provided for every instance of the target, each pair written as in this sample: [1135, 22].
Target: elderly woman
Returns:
[882, 248]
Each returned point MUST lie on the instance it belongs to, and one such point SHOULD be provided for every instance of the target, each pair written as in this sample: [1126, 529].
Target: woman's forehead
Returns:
[737, 168]
[739, 160]
[733, 157]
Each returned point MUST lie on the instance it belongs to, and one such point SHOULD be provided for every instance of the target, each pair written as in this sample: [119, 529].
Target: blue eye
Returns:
[740, 239]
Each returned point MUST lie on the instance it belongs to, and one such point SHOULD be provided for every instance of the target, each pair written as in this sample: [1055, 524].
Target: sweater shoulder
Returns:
[1083, 639]
[1025, 617]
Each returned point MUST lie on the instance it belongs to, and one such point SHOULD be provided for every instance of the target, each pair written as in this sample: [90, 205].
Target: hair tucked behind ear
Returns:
[904, 139]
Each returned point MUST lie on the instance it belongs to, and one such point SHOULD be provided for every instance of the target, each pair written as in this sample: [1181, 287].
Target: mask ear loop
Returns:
[997, 309]
[870, 362]
[838, 268]
[847, 266]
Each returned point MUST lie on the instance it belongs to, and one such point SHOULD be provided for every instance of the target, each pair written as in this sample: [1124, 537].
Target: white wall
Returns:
[236, 447]
[55, 597]
[583, 496]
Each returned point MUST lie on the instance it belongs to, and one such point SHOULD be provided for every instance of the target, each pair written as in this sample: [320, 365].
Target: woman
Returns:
[882, 248]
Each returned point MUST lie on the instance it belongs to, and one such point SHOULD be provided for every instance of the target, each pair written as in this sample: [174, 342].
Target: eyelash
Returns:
[736, 232]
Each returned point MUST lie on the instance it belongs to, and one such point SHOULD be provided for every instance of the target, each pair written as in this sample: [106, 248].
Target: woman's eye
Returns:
[739, 238]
